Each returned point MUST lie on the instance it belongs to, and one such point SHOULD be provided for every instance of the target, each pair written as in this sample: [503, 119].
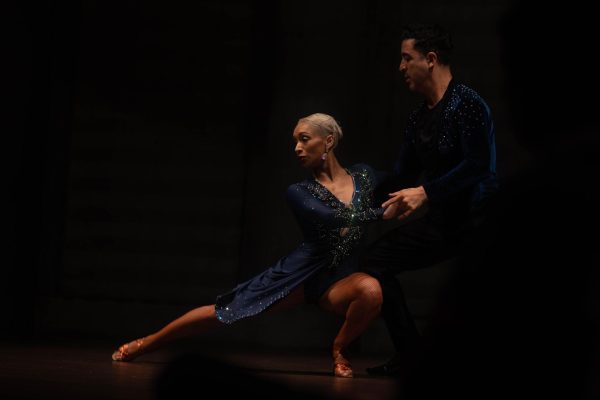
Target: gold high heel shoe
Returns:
[342, 367]
[126, 353]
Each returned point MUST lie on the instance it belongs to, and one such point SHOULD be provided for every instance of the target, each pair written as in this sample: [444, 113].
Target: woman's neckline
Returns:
[334, 196]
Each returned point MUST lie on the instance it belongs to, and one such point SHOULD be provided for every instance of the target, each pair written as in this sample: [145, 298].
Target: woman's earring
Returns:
[324, 156]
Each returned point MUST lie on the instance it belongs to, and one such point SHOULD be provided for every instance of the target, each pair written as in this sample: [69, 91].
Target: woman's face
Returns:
[310, 145]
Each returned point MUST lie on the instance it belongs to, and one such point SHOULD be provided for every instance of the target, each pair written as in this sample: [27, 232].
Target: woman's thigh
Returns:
[340, 294]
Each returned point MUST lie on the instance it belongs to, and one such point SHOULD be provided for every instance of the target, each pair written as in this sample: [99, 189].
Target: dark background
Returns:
[150, 147]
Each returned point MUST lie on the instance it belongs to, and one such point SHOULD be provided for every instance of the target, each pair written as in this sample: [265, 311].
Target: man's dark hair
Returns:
[429, 37]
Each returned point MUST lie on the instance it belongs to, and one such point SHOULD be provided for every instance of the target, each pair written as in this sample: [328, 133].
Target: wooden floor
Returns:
[85, 371]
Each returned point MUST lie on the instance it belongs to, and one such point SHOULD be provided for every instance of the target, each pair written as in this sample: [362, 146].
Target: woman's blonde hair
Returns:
[326, 125]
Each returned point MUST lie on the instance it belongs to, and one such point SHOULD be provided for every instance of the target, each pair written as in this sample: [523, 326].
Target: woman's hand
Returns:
[391, 211]
[407, 201]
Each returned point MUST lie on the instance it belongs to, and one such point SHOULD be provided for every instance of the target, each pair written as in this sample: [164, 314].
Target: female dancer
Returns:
[331, 209]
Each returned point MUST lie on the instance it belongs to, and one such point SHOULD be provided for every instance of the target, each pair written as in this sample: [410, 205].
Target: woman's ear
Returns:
[329, 142]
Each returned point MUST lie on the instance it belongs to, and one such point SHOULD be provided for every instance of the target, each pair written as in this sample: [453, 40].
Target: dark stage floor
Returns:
[85, 371]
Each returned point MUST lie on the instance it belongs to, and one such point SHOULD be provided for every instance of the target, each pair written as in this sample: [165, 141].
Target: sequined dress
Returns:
[333, 237]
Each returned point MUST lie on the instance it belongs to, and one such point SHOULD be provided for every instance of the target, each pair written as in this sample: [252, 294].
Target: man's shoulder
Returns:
[465, 99]
[466, 93]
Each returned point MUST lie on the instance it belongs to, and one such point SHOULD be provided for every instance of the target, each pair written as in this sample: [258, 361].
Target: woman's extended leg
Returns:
[358, 297]
[194, 322]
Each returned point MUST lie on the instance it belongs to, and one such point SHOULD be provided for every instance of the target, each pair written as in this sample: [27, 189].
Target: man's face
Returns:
[413, 65]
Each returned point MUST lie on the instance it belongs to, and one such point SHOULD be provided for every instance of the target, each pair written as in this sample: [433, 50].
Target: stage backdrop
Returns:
[156, 147]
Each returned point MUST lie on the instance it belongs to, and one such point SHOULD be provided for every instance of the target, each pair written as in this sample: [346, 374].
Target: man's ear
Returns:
[432, 58]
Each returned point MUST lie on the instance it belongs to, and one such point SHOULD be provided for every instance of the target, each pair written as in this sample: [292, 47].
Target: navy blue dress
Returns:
[333, 237]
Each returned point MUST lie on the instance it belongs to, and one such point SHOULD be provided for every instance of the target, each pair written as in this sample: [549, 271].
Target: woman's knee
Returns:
[369, 291]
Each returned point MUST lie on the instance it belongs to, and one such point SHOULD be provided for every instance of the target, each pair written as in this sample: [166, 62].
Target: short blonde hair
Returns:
[326, 125]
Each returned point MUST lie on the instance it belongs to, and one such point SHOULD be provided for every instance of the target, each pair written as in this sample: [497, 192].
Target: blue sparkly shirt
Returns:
[451, 151]
[333, 233]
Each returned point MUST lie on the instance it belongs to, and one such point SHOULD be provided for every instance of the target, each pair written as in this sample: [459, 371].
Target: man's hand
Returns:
[407, 201]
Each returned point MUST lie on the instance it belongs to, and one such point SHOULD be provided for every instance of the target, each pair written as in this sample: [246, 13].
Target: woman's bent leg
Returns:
[358, 297]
